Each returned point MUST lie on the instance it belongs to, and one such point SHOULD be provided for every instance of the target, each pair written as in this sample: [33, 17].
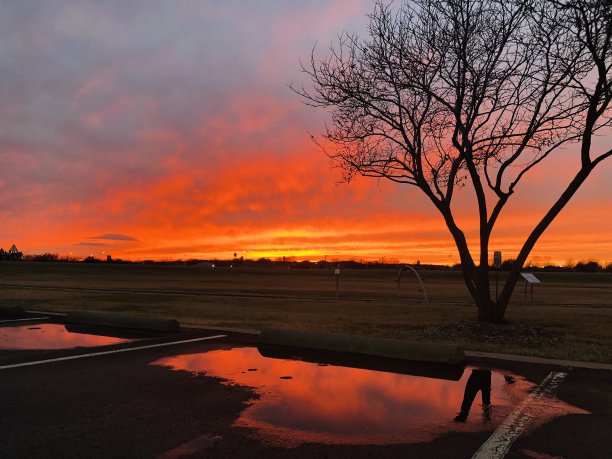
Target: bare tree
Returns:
[451, 94]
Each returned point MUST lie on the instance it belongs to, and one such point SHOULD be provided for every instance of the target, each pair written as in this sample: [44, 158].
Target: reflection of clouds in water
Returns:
[50, 336]
[343, 405]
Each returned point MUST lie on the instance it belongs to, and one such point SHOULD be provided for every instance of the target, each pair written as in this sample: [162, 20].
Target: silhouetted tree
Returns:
[47, 257]
[447, 94]
[92, 259]
[587, 267]
[507, 264]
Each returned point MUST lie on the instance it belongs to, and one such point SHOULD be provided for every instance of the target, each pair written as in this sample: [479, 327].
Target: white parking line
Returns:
[500, 441]
[114, 351]
[23, 320]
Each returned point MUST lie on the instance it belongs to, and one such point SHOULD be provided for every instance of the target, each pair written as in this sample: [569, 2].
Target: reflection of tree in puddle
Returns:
[332, 404]
[479, 381]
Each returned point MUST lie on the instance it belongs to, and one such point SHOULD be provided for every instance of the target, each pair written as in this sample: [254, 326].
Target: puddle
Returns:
[52, 336]
[302, 402]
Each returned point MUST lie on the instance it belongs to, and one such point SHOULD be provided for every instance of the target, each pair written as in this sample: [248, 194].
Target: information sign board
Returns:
[530, 278]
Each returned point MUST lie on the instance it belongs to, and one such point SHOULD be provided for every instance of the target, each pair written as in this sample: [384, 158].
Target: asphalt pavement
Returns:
[109, 401]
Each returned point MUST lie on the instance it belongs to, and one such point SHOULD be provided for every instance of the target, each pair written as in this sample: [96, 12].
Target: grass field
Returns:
[569, 317]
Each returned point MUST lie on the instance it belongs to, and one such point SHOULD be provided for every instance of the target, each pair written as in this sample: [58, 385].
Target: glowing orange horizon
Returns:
[255, 209]
[363, 245]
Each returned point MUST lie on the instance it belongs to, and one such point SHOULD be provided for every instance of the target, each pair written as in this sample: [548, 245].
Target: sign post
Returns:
[497, 262]
[530, 279]
[337, 273]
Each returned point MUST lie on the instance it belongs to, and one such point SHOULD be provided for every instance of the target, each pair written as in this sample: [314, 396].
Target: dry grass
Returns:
[571, 313]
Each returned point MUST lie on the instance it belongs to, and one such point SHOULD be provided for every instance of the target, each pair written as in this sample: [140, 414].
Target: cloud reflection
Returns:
[340, 405]
[51, 336]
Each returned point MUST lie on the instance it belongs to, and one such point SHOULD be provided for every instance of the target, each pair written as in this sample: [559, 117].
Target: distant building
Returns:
[12, 254]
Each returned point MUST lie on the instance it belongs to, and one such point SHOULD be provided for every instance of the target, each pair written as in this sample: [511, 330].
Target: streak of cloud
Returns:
[114, 237]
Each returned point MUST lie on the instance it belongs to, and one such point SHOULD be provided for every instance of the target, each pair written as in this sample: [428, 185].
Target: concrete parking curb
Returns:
[119, 321]
[538, 360]
[242, 331]
[378, 347]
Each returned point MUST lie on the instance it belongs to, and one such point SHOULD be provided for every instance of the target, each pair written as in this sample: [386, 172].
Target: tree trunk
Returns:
[487, 308]
[489, 311]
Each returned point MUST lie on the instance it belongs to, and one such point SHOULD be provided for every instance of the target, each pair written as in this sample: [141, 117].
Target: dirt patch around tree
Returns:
[510, 332]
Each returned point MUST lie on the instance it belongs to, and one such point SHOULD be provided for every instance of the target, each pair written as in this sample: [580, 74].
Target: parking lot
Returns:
[211, 393]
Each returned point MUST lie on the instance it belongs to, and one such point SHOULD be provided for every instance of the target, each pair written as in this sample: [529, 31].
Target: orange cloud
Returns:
[273, 206]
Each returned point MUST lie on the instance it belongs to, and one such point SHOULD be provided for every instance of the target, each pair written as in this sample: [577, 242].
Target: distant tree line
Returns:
[589, 266]
[44, 257]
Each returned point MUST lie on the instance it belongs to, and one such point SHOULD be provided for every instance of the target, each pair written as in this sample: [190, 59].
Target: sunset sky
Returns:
[166, 130]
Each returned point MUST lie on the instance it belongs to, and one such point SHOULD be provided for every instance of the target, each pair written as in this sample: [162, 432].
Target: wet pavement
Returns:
[222, 398]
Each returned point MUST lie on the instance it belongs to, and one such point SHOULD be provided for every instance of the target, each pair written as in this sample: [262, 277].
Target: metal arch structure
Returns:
[399, 276]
